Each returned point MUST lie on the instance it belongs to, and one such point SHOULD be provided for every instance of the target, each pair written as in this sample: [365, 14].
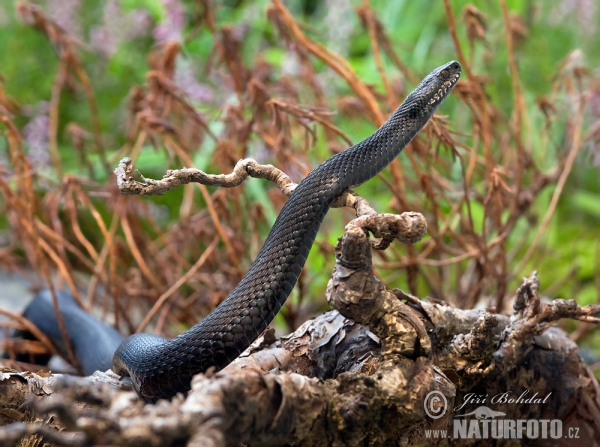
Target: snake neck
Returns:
[377, 151]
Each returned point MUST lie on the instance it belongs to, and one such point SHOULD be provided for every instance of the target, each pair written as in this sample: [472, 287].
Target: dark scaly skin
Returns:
[161, 369]
[94, 342]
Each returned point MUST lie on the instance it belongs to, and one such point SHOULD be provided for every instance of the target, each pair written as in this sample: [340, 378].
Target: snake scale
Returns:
[159, 368]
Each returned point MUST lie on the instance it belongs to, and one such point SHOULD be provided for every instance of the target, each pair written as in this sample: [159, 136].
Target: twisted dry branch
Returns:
[243, 169]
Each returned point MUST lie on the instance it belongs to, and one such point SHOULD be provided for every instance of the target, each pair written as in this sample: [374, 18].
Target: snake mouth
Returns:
[449, 74]
[444, 90]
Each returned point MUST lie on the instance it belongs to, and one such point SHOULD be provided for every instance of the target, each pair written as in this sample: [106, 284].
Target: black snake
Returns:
[159, 368]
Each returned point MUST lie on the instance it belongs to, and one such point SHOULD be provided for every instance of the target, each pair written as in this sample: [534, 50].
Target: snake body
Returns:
[94, 342]
[160, 369]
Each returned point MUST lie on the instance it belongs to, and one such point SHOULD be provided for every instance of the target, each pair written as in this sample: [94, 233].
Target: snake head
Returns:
[437, 85]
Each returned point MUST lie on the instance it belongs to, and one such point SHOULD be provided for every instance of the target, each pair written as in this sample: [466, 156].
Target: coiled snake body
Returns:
[160, 369]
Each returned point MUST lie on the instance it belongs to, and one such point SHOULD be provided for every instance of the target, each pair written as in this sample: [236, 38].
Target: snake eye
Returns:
[444, 74]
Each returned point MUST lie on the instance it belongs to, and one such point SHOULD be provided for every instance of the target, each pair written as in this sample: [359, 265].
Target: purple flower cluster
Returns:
[186, 80]
[36, 133]
[171, 27]
[118, 27]
[66, 14]
[584, 12]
